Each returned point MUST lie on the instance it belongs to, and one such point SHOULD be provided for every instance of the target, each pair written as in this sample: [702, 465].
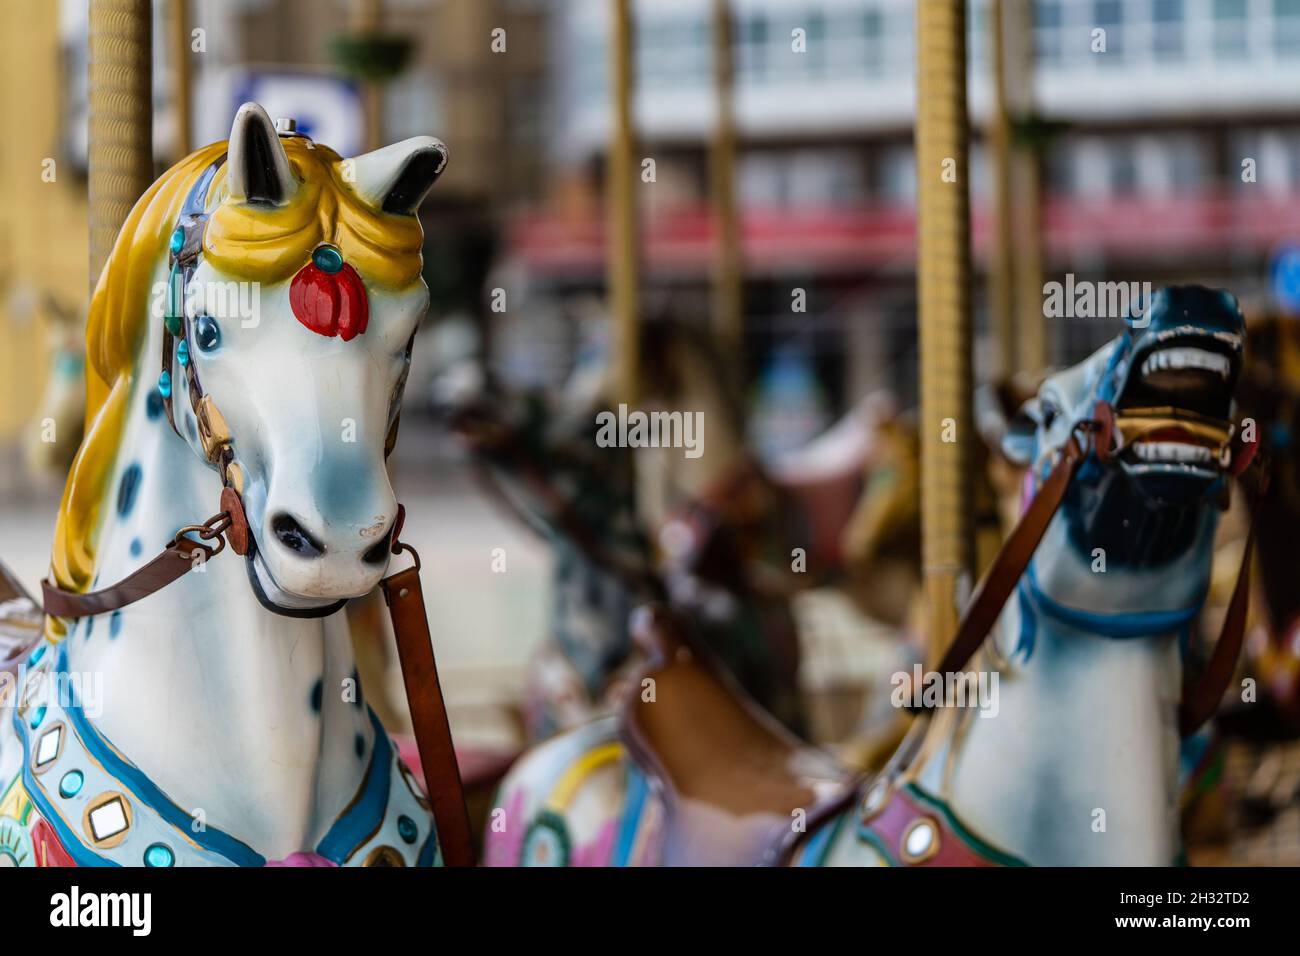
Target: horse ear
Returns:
[1021, 437]
[397, 178]
[259, 169]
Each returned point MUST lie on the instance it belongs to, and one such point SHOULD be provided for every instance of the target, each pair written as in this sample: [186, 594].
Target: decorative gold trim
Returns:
[235, 475]
[102, 800]
[930, 851]
[213, 430]
[408, 775]
[875, 801]
[62, 729]
[384, 856]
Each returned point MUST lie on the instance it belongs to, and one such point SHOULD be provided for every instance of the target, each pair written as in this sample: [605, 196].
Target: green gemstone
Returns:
[173, 323]
[71, 783]
[327, 259]
[407, 829]
[178, 241]
[159, 854]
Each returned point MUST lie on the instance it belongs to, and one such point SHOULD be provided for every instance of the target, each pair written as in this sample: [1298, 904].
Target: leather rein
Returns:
[1201, 697]
[402, 591]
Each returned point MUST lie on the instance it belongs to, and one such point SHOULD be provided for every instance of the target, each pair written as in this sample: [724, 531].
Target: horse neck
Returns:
[226, 706]
[1078, 762]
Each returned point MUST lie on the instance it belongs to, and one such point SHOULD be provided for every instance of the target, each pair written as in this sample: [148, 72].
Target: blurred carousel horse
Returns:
[232, 690]
[55, 432]
[1127, 456]
[715, 535]
[1269, 722]
[1270, 396]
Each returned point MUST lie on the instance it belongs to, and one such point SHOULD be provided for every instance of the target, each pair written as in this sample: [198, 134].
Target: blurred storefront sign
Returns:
[327, 107]
[849, 239]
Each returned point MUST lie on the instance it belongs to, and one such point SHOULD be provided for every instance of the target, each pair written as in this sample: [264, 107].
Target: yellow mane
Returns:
[253, 243]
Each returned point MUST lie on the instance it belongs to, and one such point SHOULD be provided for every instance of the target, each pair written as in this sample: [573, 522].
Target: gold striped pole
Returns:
[728, 280]
[121, 119]
[943, 279]
[1001, 273]
[1026, 178]
[367, 18]
[178, 27]
[620, 185]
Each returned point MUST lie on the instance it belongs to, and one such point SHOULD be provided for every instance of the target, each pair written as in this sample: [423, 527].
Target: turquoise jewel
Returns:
[37, 716]
[183, 353]
[165, 384]
[327, 259]
[178, 241]
[175, 300]
[159, 854]
[407, 829]
[71, 783]
[37, 655]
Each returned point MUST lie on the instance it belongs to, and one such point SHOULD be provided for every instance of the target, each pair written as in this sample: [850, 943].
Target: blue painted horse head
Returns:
[1145, 501]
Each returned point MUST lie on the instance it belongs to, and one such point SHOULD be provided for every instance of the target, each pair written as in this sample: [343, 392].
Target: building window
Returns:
[873, 31]
[816, 54]
[1108, 15]
[1167, 26]
[1123, 169]
[1286, 27]
[1230, 29]
[1047, 31]
[752, 58]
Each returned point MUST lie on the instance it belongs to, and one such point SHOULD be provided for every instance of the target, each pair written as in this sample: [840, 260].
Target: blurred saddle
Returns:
[20, 621]
[736, 784]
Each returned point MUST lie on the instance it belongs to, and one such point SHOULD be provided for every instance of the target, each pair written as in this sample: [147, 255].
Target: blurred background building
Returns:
[1143, 164]
[1142, 150]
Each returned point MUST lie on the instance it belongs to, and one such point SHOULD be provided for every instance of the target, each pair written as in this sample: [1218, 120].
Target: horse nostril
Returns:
[295, 537]
[379, 553]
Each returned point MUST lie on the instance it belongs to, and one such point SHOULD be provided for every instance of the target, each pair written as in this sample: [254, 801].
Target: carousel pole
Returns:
[367, 18]
[1002, 272]
[728, 288]
[943, 279]
[178, 29]
[121, 119]
[620, 184]
[1031, 334]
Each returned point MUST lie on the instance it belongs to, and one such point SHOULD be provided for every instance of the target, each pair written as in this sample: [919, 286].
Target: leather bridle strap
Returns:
[446, 792]
[1018, 550]
[405, 600]
[1201, 699]
[181, 554]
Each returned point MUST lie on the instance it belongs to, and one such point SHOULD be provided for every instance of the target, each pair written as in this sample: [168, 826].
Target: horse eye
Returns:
[1049, 415]
[207, 333]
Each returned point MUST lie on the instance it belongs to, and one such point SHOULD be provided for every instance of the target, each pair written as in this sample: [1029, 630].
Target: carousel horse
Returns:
[1270, 396]
[218, 721]
[629, 525]
[1076, 760]
[55, 433]
[716, 536]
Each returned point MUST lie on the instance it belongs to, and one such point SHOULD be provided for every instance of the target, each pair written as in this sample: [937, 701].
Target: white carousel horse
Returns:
[218, 721]
[1076, 760]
